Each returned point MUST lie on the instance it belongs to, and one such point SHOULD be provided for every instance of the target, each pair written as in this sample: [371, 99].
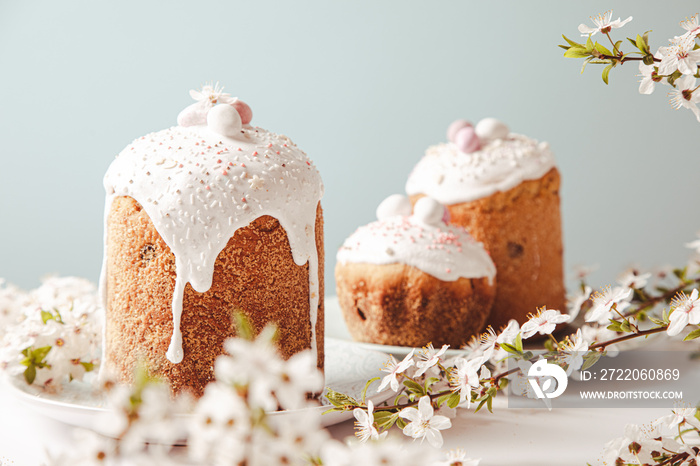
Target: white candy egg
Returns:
[396, 204]
[429, 211]
[225, 120]
[491, 128]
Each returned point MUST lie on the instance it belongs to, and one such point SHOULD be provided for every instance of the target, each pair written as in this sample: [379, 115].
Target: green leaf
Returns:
[88, 366]
[400, 423]
[601, 49]
[244, 327]
[480, 405]
[46, 316]
[518, 343]
[606, 72]
[489, 404]
[618, 44]
[658, 322]
[39, 354]
[625, 326]
[443, 398]
[510, 348]
[340, 399]
[589, 44]
[30, 374]
[385, 419]
[615, 326]
[641, 44]
[364, 390]
[693, 335]
[430, 381]
[591, 358]
[645, 37]
[577, 52]
[453, 401]
[414, 387]
[549, 345]
[571, 42]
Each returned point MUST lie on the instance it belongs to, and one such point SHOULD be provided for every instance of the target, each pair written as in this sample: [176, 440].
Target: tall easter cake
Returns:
[504, 189]
[410, 280]
[202, 220]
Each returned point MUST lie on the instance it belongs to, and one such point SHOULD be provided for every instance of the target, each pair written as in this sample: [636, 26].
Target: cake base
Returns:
[396, 304]
[254, 274]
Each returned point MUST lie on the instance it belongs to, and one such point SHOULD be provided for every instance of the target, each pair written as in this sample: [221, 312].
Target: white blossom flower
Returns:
[389, 452]
[603, 302]
[297, 377]
[574, 351]
[631, 278]
[691, 26]
[603, 24]
[635, 447]
[695, 245]
[684, 95]
[212, 95]
[429, 357]
[423, 424]
[684, 310]
[679, 417]
[650, 76]
[679, 56]
[364, 424]
[544, 322]
[458, 457]
[395, 369]
[575, 302]
[465, 377]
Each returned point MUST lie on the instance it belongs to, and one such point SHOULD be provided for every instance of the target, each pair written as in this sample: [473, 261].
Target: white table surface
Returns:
[507, 436]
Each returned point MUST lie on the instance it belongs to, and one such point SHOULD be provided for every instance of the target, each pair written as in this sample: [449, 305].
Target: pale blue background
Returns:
[363, 86]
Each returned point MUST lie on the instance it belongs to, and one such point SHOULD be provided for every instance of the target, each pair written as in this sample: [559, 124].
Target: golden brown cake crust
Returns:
[521, 229]
[255, 273]
[396, 304]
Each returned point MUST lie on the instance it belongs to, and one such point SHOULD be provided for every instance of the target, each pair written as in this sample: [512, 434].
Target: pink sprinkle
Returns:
[230, 164]
[218, 161]
[225, 173]
[243, 165]
[269, 145]
[243, 199]
[208, 147]
[255, 154]
[240, 150]
[308, 163]
[196, 143]
[277, 152]
[448, 270]
[208, 188]
[181, 165]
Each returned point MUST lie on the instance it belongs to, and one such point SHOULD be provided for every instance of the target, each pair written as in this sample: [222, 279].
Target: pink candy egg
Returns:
[454, 128]
[244, 111]
[467, 141]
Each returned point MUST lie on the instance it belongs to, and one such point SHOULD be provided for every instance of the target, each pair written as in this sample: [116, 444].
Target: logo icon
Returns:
[547, 374]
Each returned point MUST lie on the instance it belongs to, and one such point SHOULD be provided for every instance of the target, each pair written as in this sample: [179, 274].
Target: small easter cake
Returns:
[409, 280]
[202, 220]
[504, 189]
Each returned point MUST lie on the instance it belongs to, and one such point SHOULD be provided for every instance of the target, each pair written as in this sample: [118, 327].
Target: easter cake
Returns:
[504, 189]
[203, 220]
[411, 279]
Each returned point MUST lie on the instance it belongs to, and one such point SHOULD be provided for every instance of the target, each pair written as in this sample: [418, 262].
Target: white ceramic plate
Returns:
[348, 368]
[336, 328]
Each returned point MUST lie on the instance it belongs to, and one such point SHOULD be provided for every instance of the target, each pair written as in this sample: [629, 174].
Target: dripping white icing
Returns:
[199, 188]
[452, 177]
[446, 252]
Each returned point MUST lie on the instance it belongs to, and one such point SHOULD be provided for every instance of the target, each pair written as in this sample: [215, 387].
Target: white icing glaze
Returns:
[446, 252]
[452, 177]
[198, 187]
